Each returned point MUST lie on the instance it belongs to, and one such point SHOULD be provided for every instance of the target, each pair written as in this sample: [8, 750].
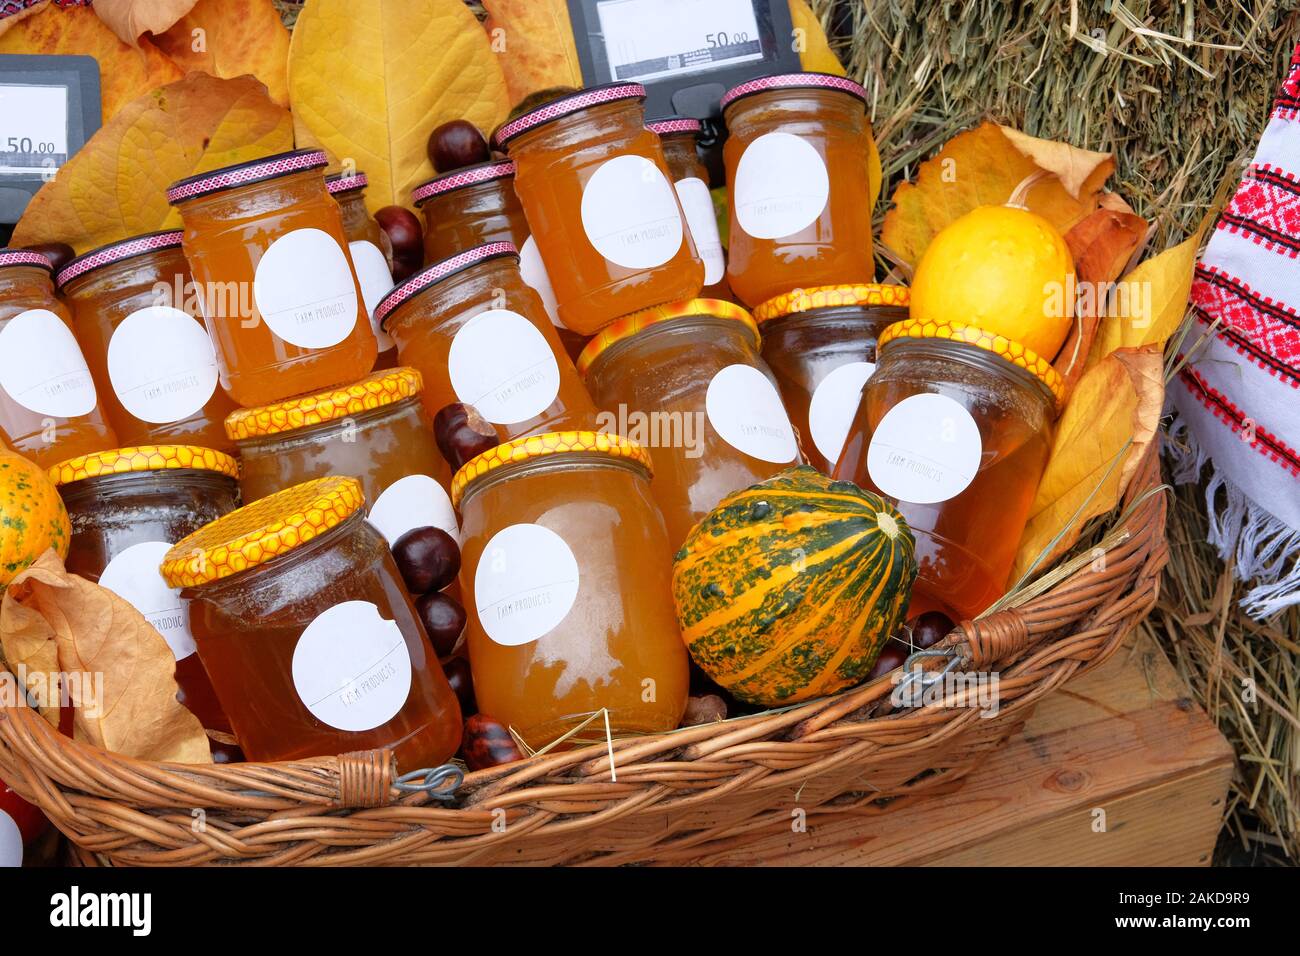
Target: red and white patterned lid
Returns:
[435, 273]
[241, 174]
[346, 182]
[791, 81]
[24, 257]
[116, 252]
[460, 178]
[565, 106]
[675, 124]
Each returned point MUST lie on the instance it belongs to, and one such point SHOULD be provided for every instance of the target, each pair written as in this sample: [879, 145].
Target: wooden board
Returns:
[1118, 768]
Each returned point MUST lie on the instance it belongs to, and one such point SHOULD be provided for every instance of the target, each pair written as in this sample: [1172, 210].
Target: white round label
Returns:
[781, 186]
[535, 276]
[42, 368]
[745, 408]
[134, 577]
[630, 213]
[351, 667]
[500, 363]
[834, 403]
[376, 282]
[305, 291]
[162, 365]
[697, 203]
[926, 449]
[416, 501]
[11, 842]
[525, 583]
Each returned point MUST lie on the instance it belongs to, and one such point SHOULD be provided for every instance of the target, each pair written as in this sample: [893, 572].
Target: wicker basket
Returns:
[665, 798]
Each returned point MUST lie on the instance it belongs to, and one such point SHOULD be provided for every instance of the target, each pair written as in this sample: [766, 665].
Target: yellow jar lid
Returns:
[257, 533]
[303, 411]
[999, 345]
[539, 446]
[137, 458]
[630, 325]
[832, 296]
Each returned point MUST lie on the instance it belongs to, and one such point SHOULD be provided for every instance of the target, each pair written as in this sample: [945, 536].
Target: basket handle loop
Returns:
[366, 778]
[993, 638]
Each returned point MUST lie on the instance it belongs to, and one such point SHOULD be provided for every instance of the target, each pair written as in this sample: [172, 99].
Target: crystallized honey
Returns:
[797, 185]
[276, 284]
[568, 566]
[49, 408]
[136, 316]
[600, 202]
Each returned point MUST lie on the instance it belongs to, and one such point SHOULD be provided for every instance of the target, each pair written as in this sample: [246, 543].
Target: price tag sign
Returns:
[33, 129]
[686, 52]
[49, 107]
[652, 39]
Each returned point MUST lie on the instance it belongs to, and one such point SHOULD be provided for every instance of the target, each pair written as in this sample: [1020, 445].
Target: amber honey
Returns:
[271, 260]
[687, 381]
[479, 335]
[958, 436]
[599, 198]
[308, 634]
[821, 346]
[797, 185]
[678, 135]
[371, 251]
[568, 564]
[49, 407]
[147, 347]
[128, 507]
[376, 430]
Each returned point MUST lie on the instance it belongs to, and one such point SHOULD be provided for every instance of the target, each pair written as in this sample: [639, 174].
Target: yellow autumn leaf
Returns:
[125, 72]
[230, 38]
[815, 52]
[131, 19]
[981, 166]
[115, 186]
[370, 82]
[1150, 302]
[1071, 165]
[534, 40]
[1110, 421]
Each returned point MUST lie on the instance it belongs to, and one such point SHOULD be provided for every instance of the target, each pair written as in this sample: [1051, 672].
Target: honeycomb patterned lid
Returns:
[630, 325]
[303, 411]
[539, 446]
[833, 296]
[999, 345]
[257, 533]
[138, 458]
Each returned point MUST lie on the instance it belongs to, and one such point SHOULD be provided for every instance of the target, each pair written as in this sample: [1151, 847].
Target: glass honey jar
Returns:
[797, 184]
[283, 306]
[955, 426]
[687, 382]
[312, 643]
[128, 506]
[134, 312]
[569, 566]
[480, 336]
[691, 180]
[821, 346]
[49, 408]
[599, 199]
[371, 251]
[376, 430]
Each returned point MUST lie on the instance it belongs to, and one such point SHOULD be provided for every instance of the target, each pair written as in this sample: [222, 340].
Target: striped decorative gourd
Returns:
[789, 589]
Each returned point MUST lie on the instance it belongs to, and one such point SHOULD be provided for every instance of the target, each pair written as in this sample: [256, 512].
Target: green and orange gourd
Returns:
[789, 589]
[32, 516]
